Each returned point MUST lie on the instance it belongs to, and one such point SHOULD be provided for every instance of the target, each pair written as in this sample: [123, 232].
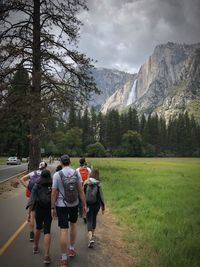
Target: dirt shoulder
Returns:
[112, 250]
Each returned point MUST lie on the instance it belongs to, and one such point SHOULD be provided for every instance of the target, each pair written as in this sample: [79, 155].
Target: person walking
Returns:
[84, 172]
[40, 201]
[67, 185]
[95, 201]
[28, 182]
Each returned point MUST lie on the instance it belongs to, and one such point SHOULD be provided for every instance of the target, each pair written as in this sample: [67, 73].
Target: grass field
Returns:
[157, 201]
[3, 160]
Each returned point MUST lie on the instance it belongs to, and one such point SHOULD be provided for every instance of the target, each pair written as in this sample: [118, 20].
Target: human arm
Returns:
[54, 194]
[82, 197]
[102, 199]
[24, 180]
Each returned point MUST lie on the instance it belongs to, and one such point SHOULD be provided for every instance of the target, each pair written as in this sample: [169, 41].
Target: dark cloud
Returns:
[123, 33]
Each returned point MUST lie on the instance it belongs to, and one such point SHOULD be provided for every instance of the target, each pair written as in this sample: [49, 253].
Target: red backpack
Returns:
[84, 173]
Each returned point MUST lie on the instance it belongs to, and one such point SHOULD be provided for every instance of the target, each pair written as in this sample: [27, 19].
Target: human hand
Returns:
[53, 214]
[85, 209]
[28, 217]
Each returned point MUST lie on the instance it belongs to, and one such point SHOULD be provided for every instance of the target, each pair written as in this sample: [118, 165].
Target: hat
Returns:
[65, 159]
[45, 177]
[82, 161]
[42, 165]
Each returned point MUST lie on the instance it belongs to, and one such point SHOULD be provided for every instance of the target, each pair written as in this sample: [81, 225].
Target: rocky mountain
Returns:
[167, 83]
[108, 82]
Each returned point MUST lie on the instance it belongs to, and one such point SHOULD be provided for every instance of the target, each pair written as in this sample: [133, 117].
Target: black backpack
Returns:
[91, 193]
[44, 196]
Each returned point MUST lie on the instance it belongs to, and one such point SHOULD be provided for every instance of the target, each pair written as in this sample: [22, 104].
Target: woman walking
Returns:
[95, 201]
[40, 200]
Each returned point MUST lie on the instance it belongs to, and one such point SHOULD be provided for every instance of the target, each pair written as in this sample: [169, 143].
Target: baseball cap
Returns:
[65, 159]
[42, 165]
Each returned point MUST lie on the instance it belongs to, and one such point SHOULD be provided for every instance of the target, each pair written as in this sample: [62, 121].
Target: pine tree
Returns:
[41, 38]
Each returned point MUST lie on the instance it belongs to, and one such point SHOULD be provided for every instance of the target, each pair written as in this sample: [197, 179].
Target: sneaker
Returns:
[63, 263]
[47, 260]
[35, 250]
[91, 243]
[71, 253]
[31, 239]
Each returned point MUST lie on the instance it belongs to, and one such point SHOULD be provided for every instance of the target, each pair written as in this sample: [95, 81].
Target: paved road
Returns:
[7, 171]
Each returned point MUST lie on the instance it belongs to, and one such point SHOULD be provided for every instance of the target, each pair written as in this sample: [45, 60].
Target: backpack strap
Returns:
[61, 174]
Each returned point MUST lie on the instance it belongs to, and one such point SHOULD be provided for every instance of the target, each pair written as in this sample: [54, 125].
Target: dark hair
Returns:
[45, 177]
[65, 160]
[95, 173]
[82, 161]
[58, 168]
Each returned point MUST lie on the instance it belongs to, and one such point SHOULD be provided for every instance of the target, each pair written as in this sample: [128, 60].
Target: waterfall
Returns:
[132, 95]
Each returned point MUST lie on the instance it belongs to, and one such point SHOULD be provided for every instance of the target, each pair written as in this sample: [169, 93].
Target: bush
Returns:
[96, 150]
[149, 150]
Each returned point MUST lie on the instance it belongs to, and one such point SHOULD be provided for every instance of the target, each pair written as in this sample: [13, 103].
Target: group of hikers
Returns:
[65, 196]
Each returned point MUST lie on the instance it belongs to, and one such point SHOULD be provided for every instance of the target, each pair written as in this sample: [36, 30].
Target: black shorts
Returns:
[66, 215]
[43, 219]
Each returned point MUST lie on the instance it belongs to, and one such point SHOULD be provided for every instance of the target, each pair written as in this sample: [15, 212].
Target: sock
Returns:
[64, 256]
[71, 247]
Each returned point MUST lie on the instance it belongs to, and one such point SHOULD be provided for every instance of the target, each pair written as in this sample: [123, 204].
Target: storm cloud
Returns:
[122, 34]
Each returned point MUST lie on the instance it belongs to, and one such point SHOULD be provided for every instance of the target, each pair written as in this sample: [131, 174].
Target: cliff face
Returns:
[168, 83]
[108, 82]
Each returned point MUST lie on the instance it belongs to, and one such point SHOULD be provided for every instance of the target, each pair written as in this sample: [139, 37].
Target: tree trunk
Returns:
[35, 111]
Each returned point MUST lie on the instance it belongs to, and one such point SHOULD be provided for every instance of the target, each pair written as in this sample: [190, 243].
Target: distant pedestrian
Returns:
[67, 185]
[95, 201]
[84, 172]
[50, 159]
[40, 201]
[28, 182]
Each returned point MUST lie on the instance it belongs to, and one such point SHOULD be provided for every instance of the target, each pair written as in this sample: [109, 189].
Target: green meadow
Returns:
[157, 203]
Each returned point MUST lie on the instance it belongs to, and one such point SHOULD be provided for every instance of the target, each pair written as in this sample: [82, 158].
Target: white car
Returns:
[13, 161]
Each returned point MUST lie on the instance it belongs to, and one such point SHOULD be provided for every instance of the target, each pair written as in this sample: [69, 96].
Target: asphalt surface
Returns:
[20, 252]
[7, 171]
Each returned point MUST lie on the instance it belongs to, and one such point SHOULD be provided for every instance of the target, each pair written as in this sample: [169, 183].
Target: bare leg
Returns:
[63, 240]
[37, 237]
[90, 234]
[73, 233]
[32, 220]
[47, 242]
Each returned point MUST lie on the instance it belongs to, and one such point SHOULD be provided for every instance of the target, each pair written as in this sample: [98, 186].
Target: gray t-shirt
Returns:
[57, 184]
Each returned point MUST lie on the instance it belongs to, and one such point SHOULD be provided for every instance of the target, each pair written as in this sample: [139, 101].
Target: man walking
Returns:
[67, 185]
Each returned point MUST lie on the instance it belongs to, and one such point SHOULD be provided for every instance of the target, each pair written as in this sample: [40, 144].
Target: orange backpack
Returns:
[84, 173]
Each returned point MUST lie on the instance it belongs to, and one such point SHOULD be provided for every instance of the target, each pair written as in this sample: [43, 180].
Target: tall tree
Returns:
[14, 127]
[39, 35]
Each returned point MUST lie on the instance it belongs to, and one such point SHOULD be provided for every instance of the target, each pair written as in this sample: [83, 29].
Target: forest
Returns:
[84, 131]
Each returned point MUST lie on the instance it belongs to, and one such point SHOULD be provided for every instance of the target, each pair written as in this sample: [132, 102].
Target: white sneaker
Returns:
[91, 243]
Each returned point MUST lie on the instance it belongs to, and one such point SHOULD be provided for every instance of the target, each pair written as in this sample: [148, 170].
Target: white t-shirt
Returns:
[57, 184]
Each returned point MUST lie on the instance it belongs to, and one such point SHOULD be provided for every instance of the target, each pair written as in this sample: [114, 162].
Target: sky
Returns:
[122, 34]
